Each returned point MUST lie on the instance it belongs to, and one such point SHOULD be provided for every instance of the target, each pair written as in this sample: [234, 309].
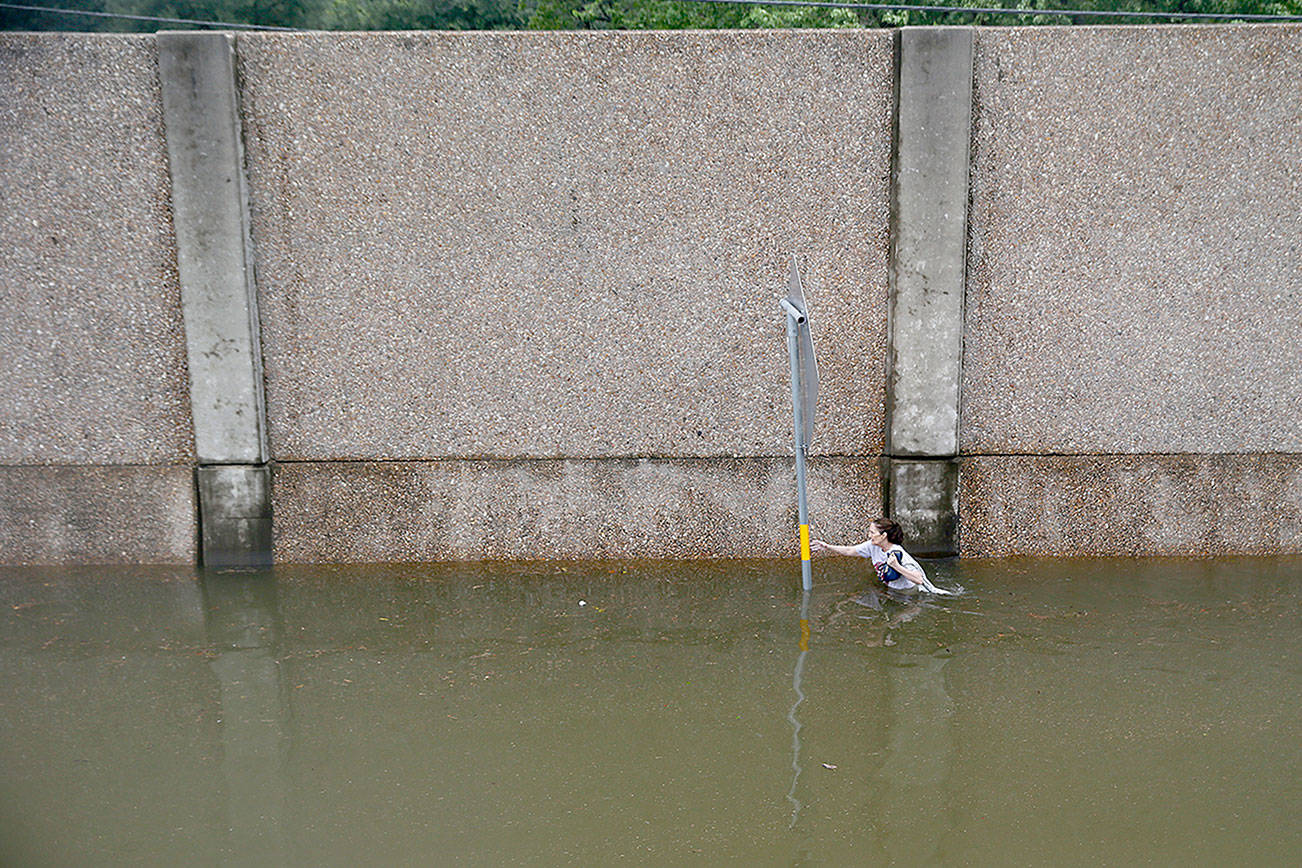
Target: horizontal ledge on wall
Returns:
[44, 465]
[1142, 505]
[966, 455]
[816, 456]
[578, 508]
[97, 515]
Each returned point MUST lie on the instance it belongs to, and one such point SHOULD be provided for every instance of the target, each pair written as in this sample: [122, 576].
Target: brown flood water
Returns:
[1065, 712]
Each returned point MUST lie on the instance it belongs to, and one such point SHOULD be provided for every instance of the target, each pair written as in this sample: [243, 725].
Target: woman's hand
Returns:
[893, 561]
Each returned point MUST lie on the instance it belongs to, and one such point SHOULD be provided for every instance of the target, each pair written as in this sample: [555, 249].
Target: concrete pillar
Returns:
[929, 194]
[922, 496]
[235, 514]
[218, 294]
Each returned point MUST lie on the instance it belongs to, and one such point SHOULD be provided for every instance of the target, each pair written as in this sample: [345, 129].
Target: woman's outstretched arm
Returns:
[819, 546]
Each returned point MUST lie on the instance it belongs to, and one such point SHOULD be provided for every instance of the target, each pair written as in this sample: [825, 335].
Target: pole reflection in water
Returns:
[243, 622]
[914, 814]
[917, 815]
[791, 715]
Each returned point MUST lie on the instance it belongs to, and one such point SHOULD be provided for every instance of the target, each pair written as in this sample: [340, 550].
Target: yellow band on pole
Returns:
[804, 542]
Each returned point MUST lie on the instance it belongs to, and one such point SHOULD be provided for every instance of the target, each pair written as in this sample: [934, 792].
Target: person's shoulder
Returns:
[866, 549]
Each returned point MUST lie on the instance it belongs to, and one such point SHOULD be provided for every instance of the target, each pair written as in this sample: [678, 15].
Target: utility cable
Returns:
[998, 10]
[815, 4]
[223, 24]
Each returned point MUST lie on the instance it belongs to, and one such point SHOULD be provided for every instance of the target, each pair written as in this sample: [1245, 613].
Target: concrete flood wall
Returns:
[1133, 375]
[96, 439]
[514, 295]
[526, 286]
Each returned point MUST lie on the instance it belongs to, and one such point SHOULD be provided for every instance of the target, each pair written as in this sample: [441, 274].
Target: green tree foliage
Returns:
[590, 14]
[675, 14]
[1036, 12]
[420, 15]
[276, 13]
[671, 15]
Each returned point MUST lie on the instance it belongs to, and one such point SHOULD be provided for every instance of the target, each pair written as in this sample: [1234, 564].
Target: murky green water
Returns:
[1060, 712]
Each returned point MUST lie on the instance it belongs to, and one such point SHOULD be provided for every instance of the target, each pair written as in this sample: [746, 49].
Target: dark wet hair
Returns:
[894, 533]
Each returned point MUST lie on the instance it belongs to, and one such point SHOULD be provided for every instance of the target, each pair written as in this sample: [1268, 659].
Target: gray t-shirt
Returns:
[878, 557]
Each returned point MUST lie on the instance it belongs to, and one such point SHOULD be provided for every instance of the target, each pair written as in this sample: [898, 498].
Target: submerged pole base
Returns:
[806, 571]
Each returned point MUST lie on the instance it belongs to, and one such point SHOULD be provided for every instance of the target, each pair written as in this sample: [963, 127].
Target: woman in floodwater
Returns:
[895, 567]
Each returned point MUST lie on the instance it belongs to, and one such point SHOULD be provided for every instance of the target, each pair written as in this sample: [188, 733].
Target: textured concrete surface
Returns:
[90, 318]
[97, 515]
[235, 515]
[449, 510]
[923, 498]
[929, 241]
[214, 255]
[532, 247]
[565, 245]
[1131, 505]
[1135, 276]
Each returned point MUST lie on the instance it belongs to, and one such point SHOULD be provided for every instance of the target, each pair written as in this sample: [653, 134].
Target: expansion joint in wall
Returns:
[927, 280]
[218, 294]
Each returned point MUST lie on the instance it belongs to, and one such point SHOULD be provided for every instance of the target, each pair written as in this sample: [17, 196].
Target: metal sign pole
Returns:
[794, 320]
[804, 401]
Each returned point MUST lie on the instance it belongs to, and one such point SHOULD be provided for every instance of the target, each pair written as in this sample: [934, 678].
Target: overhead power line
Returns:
[999, 10]
[816, 4]
[224, 24]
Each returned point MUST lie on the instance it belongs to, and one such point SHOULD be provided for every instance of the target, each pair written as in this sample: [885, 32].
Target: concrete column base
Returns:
[922, 495]
[235, 515]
